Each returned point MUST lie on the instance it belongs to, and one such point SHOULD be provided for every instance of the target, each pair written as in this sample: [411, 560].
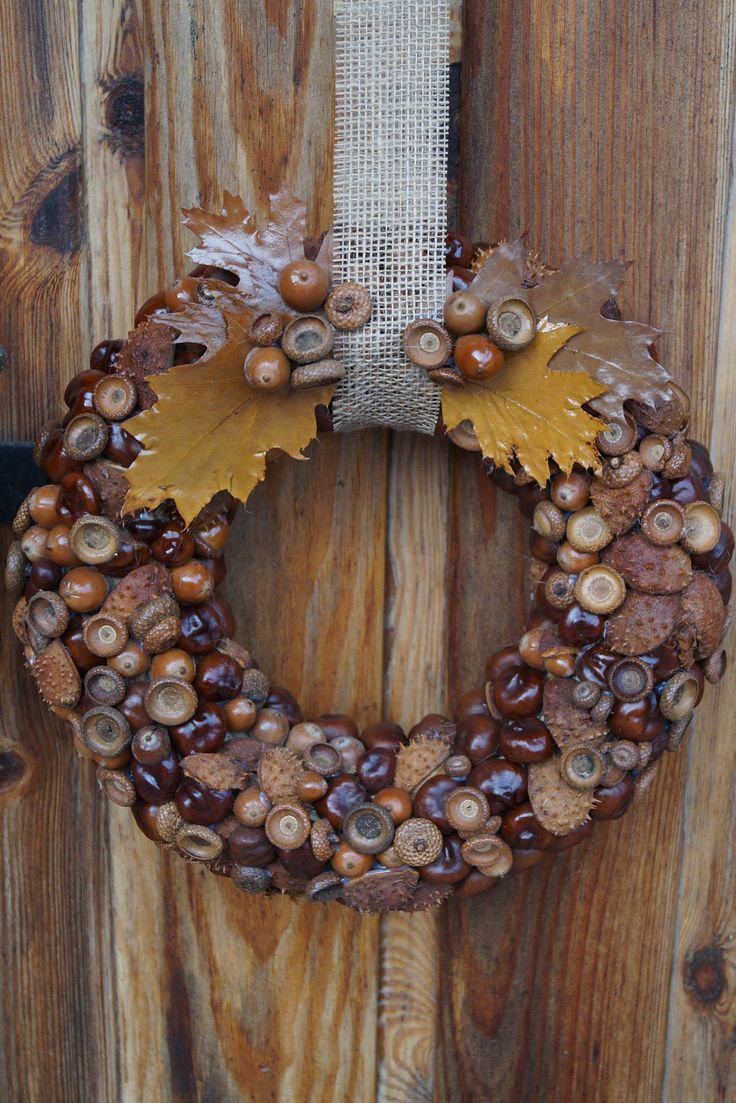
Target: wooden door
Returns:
[376, 578]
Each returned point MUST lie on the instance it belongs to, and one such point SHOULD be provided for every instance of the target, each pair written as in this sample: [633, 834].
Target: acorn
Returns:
[105, 731]
[582, 767]
[198, 842]
[586, 694]
[56, 676]
[323, 759]
[603, 707]
[368, 828]
[321, 373]
[117, 787]
[714, 667]
[587, 531]
[15, 568]
[115, 397]
[151, 745]
[266, 328]
[618, 437]
[288, 825]
[307, 339]
[679, 696]
[326, 886]
[488, 853]
[348, 306]
[168, 822]
[170, 701]
[702, 528]
[427, 343]
[663, 521]
[256, 686]
[323, 840]
[464, 313]
[630, 679]
[446, 376]
[679, 461]
[676, 732]
[464, 436]
[48, 613]
[559, 588]
[162, 636]
[549, 520]
[717, 491]
[625, 754]
[418, 842]
[104, 686]
[105, 635]
[251, 879]
[511, 323]
[251, 806]
[94, 540]
[654, 451]
[85, 437]
[600, 589]
[467, 809]
[151, 613]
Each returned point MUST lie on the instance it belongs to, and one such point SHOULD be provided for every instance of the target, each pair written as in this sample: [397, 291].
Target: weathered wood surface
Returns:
[374, 579]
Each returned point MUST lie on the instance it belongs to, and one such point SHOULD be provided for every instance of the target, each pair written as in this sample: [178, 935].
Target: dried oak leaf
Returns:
[528, 412]
[614, 353]
[216, 771]
[502, 273]
[209, 430]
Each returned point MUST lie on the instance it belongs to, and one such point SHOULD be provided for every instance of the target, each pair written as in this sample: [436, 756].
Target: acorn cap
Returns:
[57, 678]
[349, 306]
[323, 840]
[676, 732]
[266, 328]
[620, 471]
[368, 828]
[702, 528]
[643, 623]
[559, 588]
[115, 397]
[714, 667]
[567, 722]
[323, 758]
[150, 613]
[680, 459]
[307, 339]
[655, 451]
[170, 701]
[85, 436]
[381, 890]
[104, 686]
[48, 613]
[582, 767]
[198, 842]
[418, 842]
[467, 808]
[105, 635]
[216, 771]
[427, 343]
[603, 707]
[18, 620]
[256, 686]
[105, 731]
[319, 374]
[679, 695]
[559, 808]
[288, 825]
[621, 507]
[717, 491]
[625, 754]
[279, 771]
[586, 694]
[630, 679]
[168, 821]
[117, 787]
[94, 540]
[446, 376]
[663, 521]
[135, 589]
[703, 614]
[646, 568]
[489, 853]
[644, 780]
[587, 531]
[15, 568]
[22, 519]
[549, 520]
[163, 636]
[511, 323]
[600, 589]
[417, 759]
[618, 437]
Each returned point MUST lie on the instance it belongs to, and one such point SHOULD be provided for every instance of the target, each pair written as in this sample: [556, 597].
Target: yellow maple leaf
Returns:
[529, 412]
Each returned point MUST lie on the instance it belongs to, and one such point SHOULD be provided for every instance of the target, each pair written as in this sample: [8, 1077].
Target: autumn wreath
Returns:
[118, 558]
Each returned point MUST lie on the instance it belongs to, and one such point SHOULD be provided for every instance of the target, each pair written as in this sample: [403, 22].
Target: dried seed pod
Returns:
[619, 471]
[625, 754]
[418, 842]
[326, 886]
[559, 589]
[716, 491]
[427, 343]
[349, 306]
[168, 821]
[85, 437]
[256, 686]
[105, 731]
[680, 460]
[417, 759]
[198, 842]
[586, 694]
[676, 731]
[662, 522]
[467, 808]
[151, 745]
[48, 613]
[319, 374]
[105, 635]
[151, 613]
[323, 840]
[643, 623]
[381, 890]
[582, 767]
[647, 568]
[714, 667]
[288, 825]
[549, 520]
[215, 771]
[620, 507]
[57, 678]
[601, 710]
[170, 701]
[104, 686]
[600, 589]
[679, 695]
[140, 586]
[94, 540]
[307, 339]
[567, 722]
[702, 615]
[368, 828]
[558, 807]
[488, 852]
[463, 435]
[115, 397]
[252, 879]
[654, 451]
[266, 328]
[162, 636]
[511, 323]
[15, 568]
[446, 376]
[617, 438]
[668, 413]
[117, 787]
[702, 528]
[587, 531]
[323, 759]
[278, 773]
[630, 679]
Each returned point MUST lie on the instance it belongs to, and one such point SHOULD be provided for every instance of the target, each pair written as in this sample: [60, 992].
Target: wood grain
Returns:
[376, 578]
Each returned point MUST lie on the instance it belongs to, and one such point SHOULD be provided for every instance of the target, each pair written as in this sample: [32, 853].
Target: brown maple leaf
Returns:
[527, 412]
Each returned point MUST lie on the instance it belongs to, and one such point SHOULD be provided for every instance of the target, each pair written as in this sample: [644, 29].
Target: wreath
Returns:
[118, 558]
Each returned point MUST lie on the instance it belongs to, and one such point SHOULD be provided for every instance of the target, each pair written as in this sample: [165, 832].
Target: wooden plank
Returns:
[591, 102]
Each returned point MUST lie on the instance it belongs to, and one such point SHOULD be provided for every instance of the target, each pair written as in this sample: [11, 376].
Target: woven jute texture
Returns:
[390, 213]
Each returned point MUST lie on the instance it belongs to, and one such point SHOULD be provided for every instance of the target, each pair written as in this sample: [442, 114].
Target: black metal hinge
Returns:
[18, 475]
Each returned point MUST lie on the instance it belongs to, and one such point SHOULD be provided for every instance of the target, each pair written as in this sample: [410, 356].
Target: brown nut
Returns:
[630, 679]
[319, 374]
[418, 842]
[587, 531]
[105, 635]
[94, 540]
[662, 522]
[600, 589]
[105, 731]
[266, 328]
[582, 767]
[618, 437]
[199, 842]
[349, 306]
[467, 808]
[427, 343]
[170, 701]
[85, 437]
[368, 828]
[511, 323]
[117, 787]
[47, 613]
[288, 825]
[307, 339]
[115, 397]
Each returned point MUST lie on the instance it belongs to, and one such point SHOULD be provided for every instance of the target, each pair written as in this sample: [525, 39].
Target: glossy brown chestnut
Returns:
[471, 703]
[282, 701]
[151, 745]
[158, 782]
[430, 798]
[449, 867]
[566, 842]
[133, 707]
[145, 817]
[526, 740]
[382, 736]
[503, 662]
[519, 694]
[376, 769]
[477, 737]
[337, 723]
[521, 828]
[218, 678]
[628, 719]
[613, 802]
[198, 803]
[578, 626]
[503, 783]
[173, 546]
[397, 802]
[44, 575]
[77, 497]
[205, 731]
[122, 447]
[343, 794]
[594, 663]
[200, 629]
[250, 846]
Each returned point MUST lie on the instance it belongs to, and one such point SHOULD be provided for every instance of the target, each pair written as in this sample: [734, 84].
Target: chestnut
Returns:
[133, 706]
[503, 783]
[613, 802]
[218, 678]
[521, 828]
[336, 723]
[502, 663]
[200, 629]
[472, 703]
[430, 798]
[344, 793]
[477, 737]
[197, 803]
[450, 867]
[205, 731]
[578, 626]
[376, 769]
[519, 693]
[382, 736]
[249, 846]
[526, 740]
[156, 782]
[281, 700]
[566, 842]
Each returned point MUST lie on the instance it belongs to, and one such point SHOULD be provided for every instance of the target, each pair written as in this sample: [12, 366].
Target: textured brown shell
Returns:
[416, 760]
[279, 771]
[643, 622]
[567, 721]
[646, 568]
[621, 507]
[703, 614]
[323, 839]
[216, 771]
[245, 750]
[149, 350]
[426, 896]
[141, 585]
[168, 822]
[558, 807]
[283, 880]
[381, 890]
[19, 620]
[57, 678]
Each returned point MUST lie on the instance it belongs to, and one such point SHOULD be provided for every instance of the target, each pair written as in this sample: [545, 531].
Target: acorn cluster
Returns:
[129, 641]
